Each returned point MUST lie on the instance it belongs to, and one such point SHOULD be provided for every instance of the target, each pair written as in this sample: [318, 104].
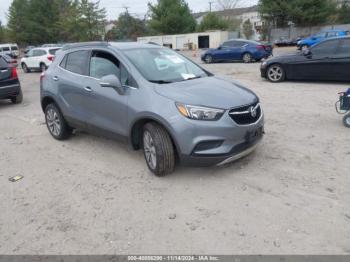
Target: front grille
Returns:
[246, 115]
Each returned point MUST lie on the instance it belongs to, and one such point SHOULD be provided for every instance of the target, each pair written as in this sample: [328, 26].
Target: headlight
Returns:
[299, 42]
[199, 112]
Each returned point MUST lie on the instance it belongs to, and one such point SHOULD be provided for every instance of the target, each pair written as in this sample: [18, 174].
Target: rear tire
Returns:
[346, 120]
[43, 67]
[17, 99]
[25, 68]
[56, 124]
[158, 149]
[247, 58]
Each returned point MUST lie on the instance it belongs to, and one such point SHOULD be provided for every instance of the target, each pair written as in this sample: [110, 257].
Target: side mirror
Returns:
[220, 47]
[112, 81]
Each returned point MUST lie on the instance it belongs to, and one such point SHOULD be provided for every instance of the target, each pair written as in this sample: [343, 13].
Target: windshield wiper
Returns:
[160, 81]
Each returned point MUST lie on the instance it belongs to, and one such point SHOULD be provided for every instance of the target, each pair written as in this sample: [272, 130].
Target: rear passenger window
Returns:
[39, 52]
[77, 62]
[344, 48]
[53, 51]
[3, 63]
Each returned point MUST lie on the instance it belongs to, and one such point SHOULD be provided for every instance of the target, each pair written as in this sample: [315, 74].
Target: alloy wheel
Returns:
[208, 59]
[247, 58]
[53, 122]
[150, 150]
[275, 73]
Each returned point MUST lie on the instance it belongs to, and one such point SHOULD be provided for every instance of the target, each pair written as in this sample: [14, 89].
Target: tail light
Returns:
[262, 47]
[51, 58]
[14, 73]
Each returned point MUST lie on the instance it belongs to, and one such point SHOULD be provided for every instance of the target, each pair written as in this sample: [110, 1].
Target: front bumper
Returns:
[9, 91]
[229, 141]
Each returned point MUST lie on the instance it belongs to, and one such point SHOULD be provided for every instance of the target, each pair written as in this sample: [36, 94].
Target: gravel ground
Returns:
[89, 195]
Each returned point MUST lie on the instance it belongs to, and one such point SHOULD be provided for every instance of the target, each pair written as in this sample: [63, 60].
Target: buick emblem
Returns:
[252, 111]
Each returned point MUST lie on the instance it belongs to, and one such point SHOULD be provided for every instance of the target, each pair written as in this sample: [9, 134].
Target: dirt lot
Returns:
[89, 195]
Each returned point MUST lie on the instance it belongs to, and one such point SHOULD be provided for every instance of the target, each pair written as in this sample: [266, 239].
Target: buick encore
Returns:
[153, 98]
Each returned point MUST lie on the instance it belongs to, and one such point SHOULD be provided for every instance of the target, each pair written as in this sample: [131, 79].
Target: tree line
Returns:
[304, 12]
[51, 21]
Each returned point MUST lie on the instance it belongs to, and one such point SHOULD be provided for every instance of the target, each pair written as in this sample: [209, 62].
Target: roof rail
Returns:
[83, 44]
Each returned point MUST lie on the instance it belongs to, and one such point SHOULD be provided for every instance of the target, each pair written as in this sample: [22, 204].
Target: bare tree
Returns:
[227, 4]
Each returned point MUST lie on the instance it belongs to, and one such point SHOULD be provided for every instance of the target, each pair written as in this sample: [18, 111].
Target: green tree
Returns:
[248, 30]
[92, 20]
[344, 13]
[212, 21]
[311, 12]
[171, 17]
[2, 33]
[301, 12]
[127, 28]
[17, 21]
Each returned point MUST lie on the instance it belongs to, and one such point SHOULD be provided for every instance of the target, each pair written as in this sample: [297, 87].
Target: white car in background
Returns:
[9, 49]
[38, 58]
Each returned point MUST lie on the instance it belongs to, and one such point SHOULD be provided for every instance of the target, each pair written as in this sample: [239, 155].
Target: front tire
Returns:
[304, 47]
[158, 149]
[56, 124]
[17, 99]
[346, 120]
[208, 59]
[275, 73]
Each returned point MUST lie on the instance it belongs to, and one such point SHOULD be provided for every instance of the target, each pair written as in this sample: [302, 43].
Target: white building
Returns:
[241, 14]
[210, 39]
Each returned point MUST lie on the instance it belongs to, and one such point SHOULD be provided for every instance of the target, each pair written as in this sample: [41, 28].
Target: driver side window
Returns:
[104, 63]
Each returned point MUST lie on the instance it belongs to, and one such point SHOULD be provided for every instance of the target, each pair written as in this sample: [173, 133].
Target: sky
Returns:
[136, 7]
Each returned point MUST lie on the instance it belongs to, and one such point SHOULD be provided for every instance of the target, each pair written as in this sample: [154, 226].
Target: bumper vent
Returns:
[246, 115]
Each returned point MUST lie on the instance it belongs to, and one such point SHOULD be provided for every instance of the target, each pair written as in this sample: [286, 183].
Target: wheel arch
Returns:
[135, 133]
[46, 100]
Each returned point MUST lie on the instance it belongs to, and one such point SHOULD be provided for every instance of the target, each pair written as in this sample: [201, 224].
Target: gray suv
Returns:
[153, 98]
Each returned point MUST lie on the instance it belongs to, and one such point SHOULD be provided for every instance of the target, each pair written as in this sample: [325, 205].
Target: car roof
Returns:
[116, 45]
[46, 48]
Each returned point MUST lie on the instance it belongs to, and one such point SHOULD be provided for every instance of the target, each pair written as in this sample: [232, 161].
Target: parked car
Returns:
[30, 47]
[328, 60]
[10, 87]
[51, 45]
[9, 49]
[38, 58]
[312, 40]
[12, 61]
[153, 97]
[282, 41]
[237, 49]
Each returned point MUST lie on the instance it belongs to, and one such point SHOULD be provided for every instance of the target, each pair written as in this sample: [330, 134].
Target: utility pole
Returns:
[126, 9]
[210, 3]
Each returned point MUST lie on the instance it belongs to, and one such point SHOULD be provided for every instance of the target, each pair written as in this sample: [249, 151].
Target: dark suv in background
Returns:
[10, 87]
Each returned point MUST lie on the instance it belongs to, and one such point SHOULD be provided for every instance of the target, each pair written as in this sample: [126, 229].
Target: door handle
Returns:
[55, 78]
[87, 88]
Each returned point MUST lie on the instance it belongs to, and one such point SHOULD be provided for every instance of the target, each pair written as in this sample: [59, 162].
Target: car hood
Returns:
[283, 58]
[214, 91]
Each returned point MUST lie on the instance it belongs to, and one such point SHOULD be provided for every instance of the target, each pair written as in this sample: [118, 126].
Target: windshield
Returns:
[162, 65]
